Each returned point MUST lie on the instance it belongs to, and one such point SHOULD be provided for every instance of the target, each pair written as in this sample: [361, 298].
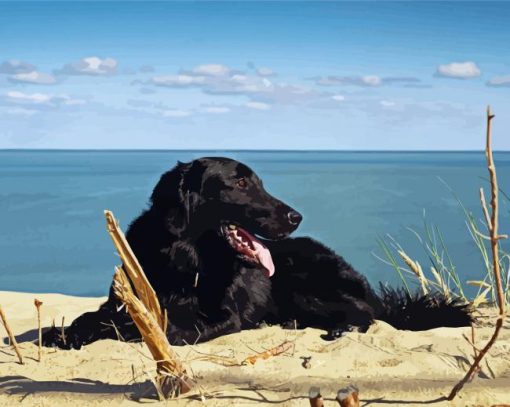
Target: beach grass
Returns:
[441, 274]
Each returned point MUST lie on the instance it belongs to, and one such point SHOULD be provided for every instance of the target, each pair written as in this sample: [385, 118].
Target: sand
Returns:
[389, 367]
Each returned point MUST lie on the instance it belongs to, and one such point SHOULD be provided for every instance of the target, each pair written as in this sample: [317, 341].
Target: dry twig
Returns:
[277, 350]
[38, 304]
[492, 224]
[11, 336]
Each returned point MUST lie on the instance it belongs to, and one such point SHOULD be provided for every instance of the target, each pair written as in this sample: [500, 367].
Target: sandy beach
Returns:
[389, 367]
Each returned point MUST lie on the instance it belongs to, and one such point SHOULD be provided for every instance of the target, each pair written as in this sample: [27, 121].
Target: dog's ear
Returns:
[166, 193]
[191, 188]
[178, 193]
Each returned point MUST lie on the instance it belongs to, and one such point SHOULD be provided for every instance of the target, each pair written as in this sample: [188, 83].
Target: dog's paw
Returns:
[337, 333]
[291, 324]
[53, 338]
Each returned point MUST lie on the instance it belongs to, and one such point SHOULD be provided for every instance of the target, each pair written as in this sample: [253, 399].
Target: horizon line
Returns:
[151, 150]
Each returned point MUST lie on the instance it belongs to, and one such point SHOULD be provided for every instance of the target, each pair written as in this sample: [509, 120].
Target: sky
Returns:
[253, 75]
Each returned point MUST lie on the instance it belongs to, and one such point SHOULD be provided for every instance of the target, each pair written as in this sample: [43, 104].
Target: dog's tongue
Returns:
[264, 256]
[261, 252]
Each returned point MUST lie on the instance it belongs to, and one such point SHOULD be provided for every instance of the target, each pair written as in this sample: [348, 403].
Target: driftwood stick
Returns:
[494, 239]
[277, 350]
[315, 397]
[38, 304]
[11, 336]
[348, 397]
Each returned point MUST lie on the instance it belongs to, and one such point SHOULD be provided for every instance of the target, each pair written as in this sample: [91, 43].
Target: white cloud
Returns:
[338, 98]
[387, 103]
[222, 80]
[40, 99]
[178, 80]
[211, 70]
[499, 81]
[36, 98]
[238, 78]
[215, 79]
[371, 80]
[176, 113]
[265, 72]
[366, 81]
[93, 66]
[14, 66]
[216, 109]
[258, 105]
[219, 84]
[459, 70]
[20, 111]
[33, 77]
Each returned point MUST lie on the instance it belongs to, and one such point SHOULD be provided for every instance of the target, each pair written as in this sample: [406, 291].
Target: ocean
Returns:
[52, 228]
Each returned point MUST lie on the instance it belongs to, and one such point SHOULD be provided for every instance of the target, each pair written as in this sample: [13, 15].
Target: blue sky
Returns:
[245, 75]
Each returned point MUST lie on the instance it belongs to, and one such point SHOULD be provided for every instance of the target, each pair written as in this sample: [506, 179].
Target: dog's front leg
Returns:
[105, 323]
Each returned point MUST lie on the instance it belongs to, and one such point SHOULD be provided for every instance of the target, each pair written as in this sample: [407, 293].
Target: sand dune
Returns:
[389, 367]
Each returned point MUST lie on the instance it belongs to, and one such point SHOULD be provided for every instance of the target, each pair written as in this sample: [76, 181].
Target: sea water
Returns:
[52, 228]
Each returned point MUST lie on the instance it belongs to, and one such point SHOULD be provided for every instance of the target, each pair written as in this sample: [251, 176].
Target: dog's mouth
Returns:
[248, 246]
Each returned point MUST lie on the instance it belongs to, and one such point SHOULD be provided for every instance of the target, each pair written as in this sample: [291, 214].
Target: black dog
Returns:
[197, 246]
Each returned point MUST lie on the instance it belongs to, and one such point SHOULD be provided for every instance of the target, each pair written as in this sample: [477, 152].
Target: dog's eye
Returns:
[242, 183]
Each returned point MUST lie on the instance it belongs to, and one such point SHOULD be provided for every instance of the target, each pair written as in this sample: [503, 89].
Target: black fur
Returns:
[179, 242]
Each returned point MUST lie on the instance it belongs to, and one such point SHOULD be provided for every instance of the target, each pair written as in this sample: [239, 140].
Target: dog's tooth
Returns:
[232, 227]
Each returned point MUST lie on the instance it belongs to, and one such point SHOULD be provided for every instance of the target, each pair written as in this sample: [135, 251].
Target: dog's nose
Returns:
[294, 217]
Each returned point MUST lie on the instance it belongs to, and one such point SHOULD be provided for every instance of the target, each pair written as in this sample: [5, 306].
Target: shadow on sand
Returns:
[20, 385]
[28, 336]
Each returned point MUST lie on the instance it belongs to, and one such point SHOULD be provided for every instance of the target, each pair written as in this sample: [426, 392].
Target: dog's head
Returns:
[227, 196]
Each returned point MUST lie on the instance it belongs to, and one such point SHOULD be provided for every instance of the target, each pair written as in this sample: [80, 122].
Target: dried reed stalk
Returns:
[11, 336]
[416, 269]
[482, 297]
[38, 304]
[132, 267]
[145, 310]
[277, 350]
[492, 225]
[440, 282]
